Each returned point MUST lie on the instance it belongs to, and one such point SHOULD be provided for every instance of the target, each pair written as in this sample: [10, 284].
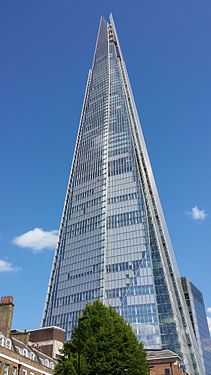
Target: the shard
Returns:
[113, 241]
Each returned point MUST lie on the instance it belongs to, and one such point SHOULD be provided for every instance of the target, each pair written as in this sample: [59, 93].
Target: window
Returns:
[14, 371]
[46, 362]
[167, 371]
[25, 352]
[52, 365]
[6, 369]
[32, 356]
[8, 343]
[24, 372]
[1, 340]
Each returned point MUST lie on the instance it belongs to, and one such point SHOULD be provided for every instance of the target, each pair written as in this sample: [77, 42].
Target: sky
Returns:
[46, 50]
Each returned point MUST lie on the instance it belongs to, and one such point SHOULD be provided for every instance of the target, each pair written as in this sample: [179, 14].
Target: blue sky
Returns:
[46, 51]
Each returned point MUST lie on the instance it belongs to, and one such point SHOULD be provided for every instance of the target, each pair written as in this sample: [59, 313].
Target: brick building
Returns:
[29, 352]
[164, 362]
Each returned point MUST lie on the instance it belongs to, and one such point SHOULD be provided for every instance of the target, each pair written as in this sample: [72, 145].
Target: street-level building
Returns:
[25, 352]
[16, 358]
[164, 362]
[48, 340]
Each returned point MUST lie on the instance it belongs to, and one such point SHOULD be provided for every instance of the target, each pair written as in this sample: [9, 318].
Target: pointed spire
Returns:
[113, 221]
[101, 48]
[111, 18]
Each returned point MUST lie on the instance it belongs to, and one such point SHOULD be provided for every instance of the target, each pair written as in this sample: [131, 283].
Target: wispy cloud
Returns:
[197, 214]
[209, 310]
[37, 239]
[7, 267]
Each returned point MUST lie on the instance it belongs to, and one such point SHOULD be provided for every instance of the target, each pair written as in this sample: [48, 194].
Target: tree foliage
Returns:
[108, 345]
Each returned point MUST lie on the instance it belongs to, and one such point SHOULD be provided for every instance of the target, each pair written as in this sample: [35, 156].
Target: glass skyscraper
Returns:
[113, 241]
[196, 308]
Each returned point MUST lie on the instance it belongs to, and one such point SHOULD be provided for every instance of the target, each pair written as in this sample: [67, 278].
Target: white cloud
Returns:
[209, 310]
[7, 267]
[37, 239]
[197, 214]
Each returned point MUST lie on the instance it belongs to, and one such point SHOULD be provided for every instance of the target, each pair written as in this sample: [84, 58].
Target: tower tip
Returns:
[111, 17]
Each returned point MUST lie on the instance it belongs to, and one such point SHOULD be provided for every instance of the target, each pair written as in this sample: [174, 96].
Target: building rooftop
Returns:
[26, 351]
[162, 354]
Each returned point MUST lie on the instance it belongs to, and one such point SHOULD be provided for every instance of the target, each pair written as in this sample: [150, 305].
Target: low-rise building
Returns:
[28, 352]
[48, 340]
[164, 362]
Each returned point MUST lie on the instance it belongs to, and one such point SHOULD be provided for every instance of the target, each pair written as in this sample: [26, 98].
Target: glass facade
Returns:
[113, 241]
[196, 308]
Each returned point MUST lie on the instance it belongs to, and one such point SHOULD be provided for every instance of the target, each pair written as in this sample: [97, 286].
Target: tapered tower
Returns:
[113, 241]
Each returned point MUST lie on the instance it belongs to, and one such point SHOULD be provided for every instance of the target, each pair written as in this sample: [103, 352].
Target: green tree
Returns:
[108, 345]
[67, 361]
